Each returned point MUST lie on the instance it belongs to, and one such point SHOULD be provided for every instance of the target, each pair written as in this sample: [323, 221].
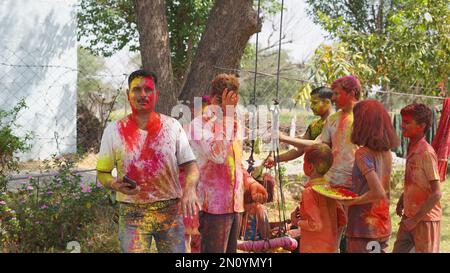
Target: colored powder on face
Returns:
[139, 85]
[146, 82]
[318, 105]
[342, 101]
[409, 127]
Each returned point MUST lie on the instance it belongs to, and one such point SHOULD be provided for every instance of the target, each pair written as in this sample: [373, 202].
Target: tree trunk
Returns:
[230, 25]
[155, 50]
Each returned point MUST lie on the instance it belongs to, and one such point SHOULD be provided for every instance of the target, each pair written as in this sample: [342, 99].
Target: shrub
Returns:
[10, 143]
[44, 215]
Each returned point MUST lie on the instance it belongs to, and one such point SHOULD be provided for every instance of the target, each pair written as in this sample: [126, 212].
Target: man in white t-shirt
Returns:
[337, 131]
[148, 149]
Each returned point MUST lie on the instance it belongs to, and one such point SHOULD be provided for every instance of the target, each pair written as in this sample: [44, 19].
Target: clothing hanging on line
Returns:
[441, 143]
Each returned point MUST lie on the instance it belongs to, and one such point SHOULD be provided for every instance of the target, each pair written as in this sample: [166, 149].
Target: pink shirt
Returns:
[221, 186]
[421, 169]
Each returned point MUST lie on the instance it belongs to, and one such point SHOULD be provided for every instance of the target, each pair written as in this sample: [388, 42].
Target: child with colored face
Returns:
[419, 204]
[321, 107]
[320, 218]
[368, 214]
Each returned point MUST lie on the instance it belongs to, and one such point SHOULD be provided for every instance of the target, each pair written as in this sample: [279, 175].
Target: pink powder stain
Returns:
[216, 172]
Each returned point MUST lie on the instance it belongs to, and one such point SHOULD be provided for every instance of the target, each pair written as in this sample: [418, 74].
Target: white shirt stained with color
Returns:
[337, 132]
[161, 181]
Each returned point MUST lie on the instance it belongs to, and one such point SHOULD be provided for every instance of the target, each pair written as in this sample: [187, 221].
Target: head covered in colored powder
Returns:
[321, 100]
[142, 93]
[318, 157]
[416, 119]
[372, 126]
[346, 90]
[219, 83]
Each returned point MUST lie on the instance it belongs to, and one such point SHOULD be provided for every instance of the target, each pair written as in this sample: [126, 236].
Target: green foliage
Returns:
[110, 25]
[330, 62]
[10, 142]
[187, 22]
[364, 16]
[44, 215]
[409, 50]
[107, 25]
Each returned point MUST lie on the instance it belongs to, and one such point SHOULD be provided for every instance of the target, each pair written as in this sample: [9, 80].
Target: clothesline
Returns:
[314, 82]
[410, 95]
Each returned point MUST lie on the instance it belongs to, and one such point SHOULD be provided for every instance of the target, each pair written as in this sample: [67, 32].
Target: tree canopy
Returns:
[405, 43]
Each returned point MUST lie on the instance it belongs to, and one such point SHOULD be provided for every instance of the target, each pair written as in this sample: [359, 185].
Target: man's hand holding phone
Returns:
[126, 186]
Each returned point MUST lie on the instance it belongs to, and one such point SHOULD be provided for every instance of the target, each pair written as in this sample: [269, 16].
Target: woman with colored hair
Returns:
[369, 224]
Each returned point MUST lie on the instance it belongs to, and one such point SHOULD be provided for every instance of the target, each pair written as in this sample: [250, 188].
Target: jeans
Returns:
[139, 224]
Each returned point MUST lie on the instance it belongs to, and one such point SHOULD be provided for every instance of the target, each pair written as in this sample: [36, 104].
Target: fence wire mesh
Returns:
[68, 103]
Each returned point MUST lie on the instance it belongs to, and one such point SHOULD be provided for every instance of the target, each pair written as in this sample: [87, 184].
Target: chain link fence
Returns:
[67, 106]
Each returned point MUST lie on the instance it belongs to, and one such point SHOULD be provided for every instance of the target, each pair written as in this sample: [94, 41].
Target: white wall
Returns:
[38, 58]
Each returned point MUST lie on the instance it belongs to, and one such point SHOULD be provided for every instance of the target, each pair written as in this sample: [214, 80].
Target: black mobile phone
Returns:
[130, 181]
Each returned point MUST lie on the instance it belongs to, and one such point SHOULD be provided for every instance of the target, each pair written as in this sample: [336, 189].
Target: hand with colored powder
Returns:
[258, 192]
[123, 187]
[269, 162]
[229, 98]
[189, 202]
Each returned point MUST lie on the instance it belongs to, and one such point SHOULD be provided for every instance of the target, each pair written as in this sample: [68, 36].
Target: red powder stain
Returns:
[346, 192]
[153, 126]
[380, 212]
[149, 159]
[128, 129]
